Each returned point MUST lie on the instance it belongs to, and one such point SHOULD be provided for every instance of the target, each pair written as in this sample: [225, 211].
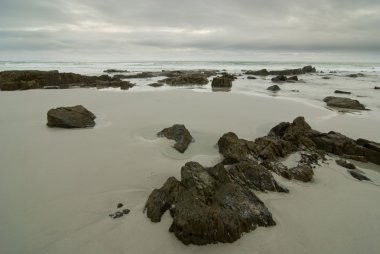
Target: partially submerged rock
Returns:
[355, 75]
[115, 71]
[155, 84]
[299, 71]
[179, 134]
[280, 78]
[274, 88]
[358, 175]
[342, 102]
[341, 92]
[209, 205]
[345, 164]
[70, 117]
[222, 82]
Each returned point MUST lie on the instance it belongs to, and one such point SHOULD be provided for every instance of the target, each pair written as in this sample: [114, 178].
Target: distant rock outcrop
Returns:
[187, 79]
[288, 72]
[24, 80]
[70, 117]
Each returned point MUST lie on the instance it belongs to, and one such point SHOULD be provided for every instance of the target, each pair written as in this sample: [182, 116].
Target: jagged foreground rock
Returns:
[218, 204]
[211, 205]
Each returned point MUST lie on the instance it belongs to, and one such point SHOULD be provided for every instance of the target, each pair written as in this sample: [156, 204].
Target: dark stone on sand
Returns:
[126, 211]
[356, 174]
[326, 77]
[223, 81]
[377, 87]
[120, 205]
[70, 117]
[341, 92]
[179, 134]
[251, 77]
[342, 102]
[208, 205]
[345, 164]
[274, 88]
[117, 215]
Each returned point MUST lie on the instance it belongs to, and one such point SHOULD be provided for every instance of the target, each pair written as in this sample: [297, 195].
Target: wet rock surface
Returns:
[70, 117]
[342, 102]
[179, 134]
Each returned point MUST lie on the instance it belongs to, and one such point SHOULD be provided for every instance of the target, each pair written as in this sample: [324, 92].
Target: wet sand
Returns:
[58, 186]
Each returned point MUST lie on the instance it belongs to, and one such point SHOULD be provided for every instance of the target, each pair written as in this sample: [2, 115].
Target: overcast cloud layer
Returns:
[187, 30]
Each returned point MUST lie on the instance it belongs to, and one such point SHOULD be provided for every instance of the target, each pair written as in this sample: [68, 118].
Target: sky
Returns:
[188, 30]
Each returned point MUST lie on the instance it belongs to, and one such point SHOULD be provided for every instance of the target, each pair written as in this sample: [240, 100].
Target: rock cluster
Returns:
[24, 80]
[186, 79]
[218, 204]
[265, 72]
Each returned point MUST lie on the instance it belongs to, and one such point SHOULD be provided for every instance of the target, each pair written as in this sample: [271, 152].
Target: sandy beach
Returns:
[57, 186]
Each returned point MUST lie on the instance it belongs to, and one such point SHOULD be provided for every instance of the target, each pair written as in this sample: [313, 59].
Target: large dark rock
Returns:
[179, 134]
[208, 205]
[222, 82]
[263, 72]
[70, 117]
[187, 79]
[341, 102]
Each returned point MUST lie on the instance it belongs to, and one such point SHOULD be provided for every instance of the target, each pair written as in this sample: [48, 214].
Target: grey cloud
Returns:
[159, 26]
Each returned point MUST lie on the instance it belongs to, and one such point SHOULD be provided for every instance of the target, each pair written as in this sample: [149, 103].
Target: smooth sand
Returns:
[58, 186]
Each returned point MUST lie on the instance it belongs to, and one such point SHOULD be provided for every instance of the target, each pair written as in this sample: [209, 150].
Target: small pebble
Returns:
[126, 211]
[120, 205]
[118, 215]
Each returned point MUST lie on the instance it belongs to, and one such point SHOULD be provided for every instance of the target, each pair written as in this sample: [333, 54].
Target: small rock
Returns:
[326, 78]
[356, 174]
[156, 84]
[274, 88]
[180, 134]
[120, 205]
[377, 87]
[355, 75]
[345, 164]
[126, 211]
[251, 77]
[341, 92]
[280, 78]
